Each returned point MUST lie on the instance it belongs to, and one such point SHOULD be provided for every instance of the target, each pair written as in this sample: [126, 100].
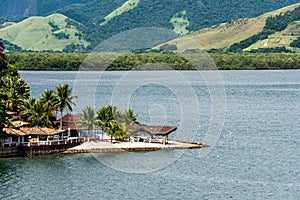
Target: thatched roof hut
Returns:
[69, 121]
[152, 130]
[14, 132]
[31, 131]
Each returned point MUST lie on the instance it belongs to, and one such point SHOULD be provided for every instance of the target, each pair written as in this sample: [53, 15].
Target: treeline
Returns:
[46, 61]
[153, 61]
[273, 24]
[256, 61]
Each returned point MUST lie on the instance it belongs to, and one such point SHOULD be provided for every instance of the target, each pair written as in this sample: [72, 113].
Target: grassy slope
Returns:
[180, 23]
[128, 5]
[279, 39]
[34, 33]
[225, 34]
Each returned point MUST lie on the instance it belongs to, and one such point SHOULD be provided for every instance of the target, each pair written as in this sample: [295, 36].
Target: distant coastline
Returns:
[137, 61]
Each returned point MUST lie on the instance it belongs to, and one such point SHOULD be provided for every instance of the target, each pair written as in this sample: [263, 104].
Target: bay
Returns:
[256, 156]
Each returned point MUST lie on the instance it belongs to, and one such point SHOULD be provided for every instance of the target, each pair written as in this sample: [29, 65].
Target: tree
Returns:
[88, 118]
[4, 121]
[37, 113]
[65, 100]
[50, 100]
[107, 114]
[17, 90]
[116, 130]
[129, 118]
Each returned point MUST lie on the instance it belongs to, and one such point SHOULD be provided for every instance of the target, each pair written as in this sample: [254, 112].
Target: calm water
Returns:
[255, 157]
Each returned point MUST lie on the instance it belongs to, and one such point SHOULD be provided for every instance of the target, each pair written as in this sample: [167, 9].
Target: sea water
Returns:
[256, 155]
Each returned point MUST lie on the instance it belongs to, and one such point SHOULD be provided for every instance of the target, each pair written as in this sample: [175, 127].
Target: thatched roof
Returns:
[69, 118]
[19, 123]
[152, 130]
[12, 131]
[69, 121]
[31, 131]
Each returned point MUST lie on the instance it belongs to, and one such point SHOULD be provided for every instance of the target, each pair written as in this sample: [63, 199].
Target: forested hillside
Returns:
[188, 15]
[101, 19]
[26, 8]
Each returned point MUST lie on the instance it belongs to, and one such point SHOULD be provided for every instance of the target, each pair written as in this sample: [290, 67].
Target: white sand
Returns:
[107, 144]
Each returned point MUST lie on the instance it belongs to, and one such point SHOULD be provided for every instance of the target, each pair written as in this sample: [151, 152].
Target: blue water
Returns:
[255, 157]
[97, 132]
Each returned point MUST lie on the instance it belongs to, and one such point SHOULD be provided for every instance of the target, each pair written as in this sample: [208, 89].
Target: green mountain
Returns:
[102, 19]
[241, 33]
[52, 33]
[28, 8]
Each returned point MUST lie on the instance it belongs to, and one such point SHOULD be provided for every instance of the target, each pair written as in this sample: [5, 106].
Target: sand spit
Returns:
[98, 146]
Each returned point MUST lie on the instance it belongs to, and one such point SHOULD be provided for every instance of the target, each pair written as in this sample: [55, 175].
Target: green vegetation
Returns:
[64, 100]
[52, 33]
[7, 72]
[38, 114]
[95, 20]
[128, 5]
[273, 24]
[180, 23]
[143, 61]
[47, 61]
[17, 92]
[252, 61]
[296, 43]
[15, 97]
[114, 122]
[3, 115]
[88, 118]
[103, 19]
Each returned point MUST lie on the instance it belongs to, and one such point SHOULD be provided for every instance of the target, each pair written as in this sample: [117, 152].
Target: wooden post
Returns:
[164, 140]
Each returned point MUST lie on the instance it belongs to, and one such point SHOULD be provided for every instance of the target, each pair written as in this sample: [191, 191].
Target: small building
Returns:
[70, 123]
[139, 131]
[21, 139]
[27, 141]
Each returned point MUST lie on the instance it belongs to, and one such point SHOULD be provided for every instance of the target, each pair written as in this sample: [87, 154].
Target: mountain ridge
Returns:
[98, 20]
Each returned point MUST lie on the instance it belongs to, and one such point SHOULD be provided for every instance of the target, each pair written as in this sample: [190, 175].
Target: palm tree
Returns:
[17, 91]
[129, 118]
[64, 100]
[37, 113]
[26, 108]
[107, 114]
[88, 118]
[50, 101]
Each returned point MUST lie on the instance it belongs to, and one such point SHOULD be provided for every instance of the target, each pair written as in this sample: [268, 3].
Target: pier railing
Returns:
[44, 143]
[40, 147]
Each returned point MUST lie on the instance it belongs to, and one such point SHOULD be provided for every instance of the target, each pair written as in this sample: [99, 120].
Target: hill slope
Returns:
[103, 19]
[225, 34]
[54, 32]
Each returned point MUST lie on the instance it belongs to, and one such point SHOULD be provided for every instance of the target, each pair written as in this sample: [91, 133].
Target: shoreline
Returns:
[107, 146]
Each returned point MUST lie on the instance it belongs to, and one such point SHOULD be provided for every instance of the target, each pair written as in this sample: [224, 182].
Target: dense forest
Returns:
[143, 61]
